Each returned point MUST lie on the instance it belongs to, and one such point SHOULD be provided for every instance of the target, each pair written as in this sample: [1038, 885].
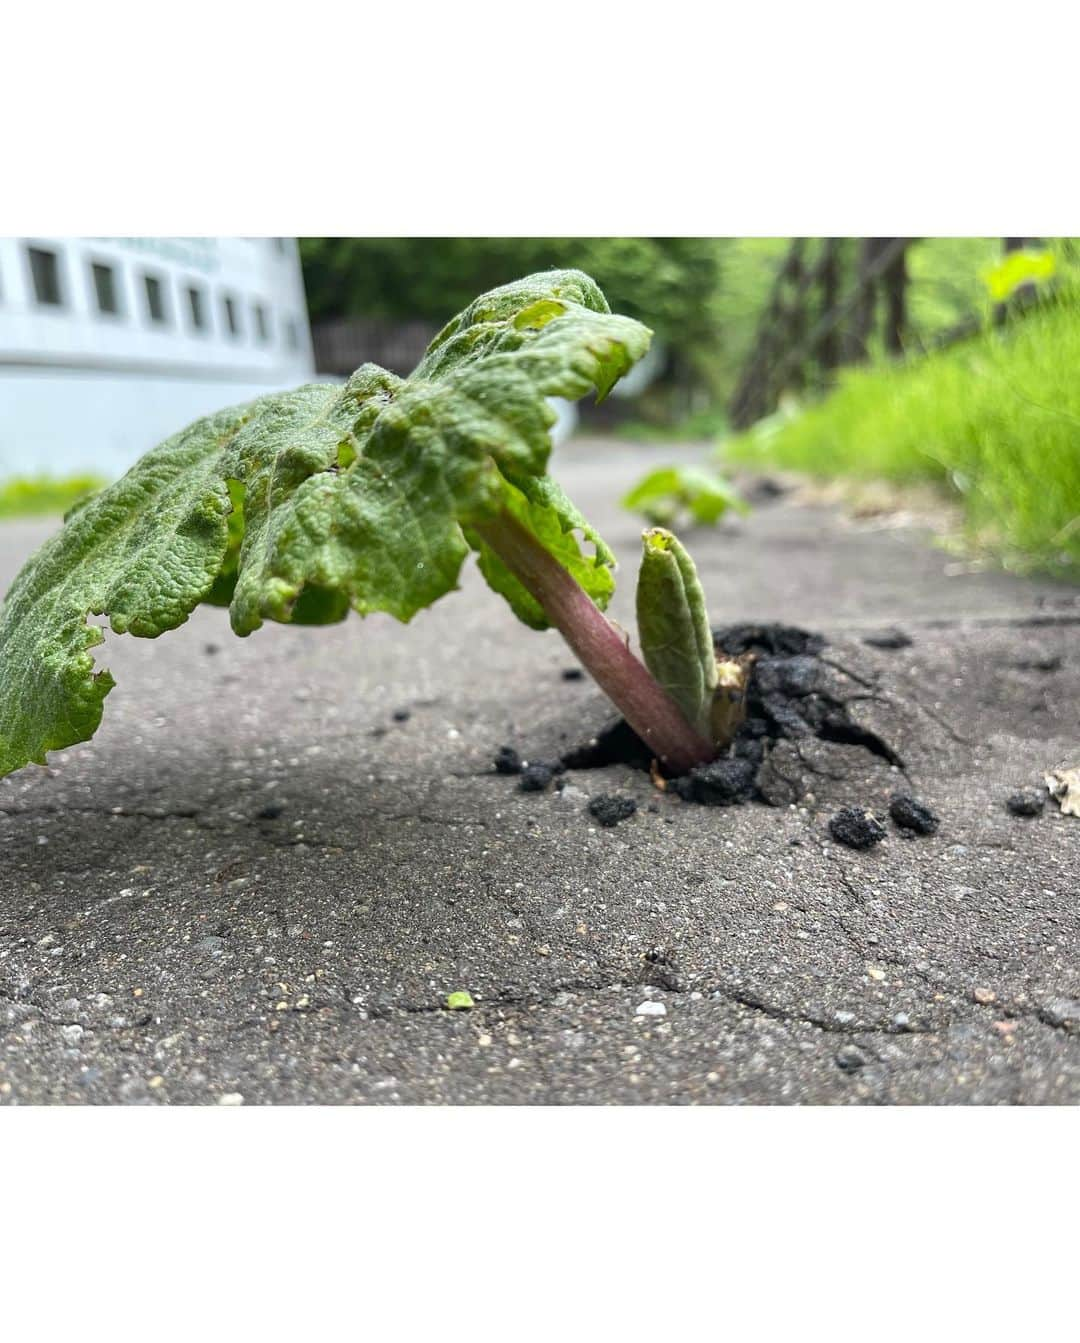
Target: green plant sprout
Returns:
[677, 642]
[304, 505]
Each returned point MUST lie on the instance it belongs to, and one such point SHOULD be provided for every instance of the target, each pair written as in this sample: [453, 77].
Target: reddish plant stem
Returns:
[645, 705]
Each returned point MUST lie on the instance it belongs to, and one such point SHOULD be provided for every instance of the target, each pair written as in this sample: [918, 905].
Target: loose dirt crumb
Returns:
[721, 783]
[1027, 801]
[856, 827]
[913, 816]
[609, 809]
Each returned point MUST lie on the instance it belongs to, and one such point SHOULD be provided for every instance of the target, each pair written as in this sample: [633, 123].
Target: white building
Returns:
[109, 345]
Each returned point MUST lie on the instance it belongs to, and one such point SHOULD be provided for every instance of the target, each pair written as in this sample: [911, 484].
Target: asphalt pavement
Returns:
[261, 880]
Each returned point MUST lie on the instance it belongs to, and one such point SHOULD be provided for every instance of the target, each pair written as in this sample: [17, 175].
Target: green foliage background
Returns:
[995, 419]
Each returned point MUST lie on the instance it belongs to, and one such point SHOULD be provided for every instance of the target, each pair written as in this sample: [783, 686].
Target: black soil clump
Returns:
[1027, 802]
[913, 817]
[788, 696]
[856, 827]
[609, 809]
[615, 744]
[722, 783]
[793, 695]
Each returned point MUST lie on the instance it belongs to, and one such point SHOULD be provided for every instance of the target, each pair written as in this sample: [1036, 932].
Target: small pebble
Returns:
[984, 996]
[1027, 801]
[911, 815]
[573, 674]
[650, 1008]
[856, 827]
[849, 1059]
[231, 1098]
[401, 715]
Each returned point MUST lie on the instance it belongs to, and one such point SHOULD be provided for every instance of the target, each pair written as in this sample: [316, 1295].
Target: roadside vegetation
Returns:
[37, 496]
[995, 418]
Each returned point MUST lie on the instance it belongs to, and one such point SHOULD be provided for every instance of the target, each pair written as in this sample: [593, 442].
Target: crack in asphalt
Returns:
[541, 999]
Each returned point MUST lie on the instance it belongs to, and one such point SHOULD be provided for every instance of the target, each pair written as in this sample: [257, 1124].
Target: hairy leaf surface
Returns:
[306, 504]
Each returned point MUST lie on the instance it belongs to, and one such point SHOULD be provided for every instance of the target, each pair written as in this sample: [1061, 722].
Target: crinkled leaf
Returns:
[305, 504]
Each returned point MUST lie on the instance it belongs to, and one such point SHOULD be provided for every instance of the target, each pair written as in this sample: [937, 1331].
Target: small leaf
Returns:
[1018, 268]
[459, 1000]
[671, 491]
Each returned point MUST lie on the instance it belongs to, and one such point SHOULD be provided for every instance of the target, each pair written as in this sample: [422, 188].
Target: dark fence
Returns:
[345, 344]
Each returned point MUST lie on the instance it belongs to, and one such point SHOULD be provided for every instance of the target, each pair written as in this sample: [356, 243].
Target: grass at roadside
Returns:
[997, 419]
[34, 496]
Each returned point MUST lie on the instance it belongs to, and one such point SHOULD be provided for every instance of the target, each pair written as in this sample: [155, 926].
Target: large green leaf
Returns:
[305, 504]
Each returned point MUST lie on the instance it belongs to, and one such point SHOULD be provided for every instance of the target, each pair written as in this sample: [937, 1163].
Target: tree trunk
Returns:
[829, 349]
[862, 318]
[894, 282]
[794, 317]
[752, 397]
